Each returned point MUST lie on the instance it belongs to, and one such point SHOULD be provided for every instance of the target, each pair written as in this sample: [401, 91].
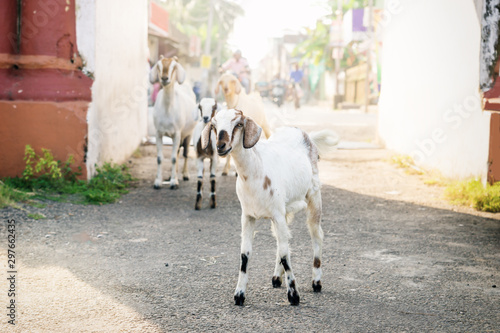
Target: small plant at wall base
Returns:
[472, 193]
[45, 178]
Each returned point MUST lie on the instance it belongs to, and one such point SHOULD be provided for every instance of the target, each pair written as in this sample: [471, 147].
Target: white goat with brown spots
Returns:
[207, 108]
[276, 178]
[174, 115]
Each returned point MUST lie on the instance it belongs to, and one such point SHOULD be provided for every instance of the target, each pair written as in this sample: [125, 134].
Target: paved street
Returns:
[396, 257]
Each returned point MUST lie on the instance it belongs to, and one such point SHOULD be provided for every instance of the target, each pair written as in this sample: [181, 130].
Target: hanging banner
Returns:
[206, 61]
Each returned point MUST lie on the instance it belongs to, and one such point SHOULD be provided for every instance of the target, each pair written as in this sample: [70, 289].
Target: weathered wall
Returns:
[429, 106]
[115, 48]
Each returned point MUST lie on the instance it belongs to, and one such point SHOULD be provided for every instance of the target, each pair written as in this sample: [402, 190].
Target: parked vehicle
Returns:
[278, 91]
[263, 87]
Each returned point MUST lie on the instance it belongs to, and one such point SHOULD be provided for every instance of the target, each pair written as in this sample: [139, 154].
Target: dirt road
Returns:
[396, 258]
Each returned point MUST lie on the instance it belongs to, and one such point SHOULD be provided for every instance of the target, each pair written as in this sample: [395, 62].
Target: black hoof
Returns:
[174, 187]
[316, 286]
[213, 206]
[293, 297]
[197, 207]
[156, 187]
[185, 178]
[276, 282]
[239, 299]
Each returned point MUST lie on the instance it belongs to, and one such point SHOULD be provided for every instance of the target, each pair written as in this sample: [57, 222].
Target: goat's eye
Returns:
[239, 125]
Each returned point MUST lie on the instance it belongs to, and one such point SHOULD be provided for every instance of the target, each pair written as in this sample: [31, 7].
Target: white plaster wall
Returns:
[429, 105]
[117, 116]
[85, 33]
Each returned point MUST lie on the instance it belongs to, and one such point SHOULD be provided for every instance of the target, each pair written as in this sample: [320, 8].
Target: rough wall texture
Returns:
[490, 20]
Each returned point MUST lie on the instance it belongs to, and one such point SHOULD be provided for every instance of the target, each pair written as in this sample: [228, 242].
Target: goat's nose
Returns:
[221, 146]
[205, 119]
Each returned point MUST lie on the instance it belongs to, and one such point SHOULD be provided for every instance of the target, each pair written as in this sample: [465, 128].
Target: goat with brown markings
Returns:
[207, 108]
[276, 178]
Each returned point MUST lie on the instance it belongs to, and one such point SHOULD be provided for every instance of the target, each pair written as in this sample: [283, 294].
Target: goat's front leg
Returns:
[185, 172]
[247, 231]
[176, 141]
[199, 193]
[282, 235]
[159, 158]
[227, 166]
[213, 169]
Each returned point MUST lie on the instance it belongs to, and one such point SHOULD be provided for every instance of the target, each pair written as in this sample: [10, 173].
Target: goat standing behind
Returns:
[207, 108]
[276, 178]
[237, 98]
[174, 115]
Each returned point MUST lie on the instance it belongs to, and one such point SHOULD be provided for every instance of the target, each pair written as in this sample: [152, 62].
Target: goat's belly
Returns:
[259, 207]
[296, 206]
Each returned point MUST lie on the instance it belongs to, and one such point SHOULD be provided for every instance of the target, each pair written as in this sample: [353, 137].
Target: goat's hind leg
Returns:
[159, 158]
[213, 169]
[314, 226]
[278, 268]
[185, 171]
[176, 140]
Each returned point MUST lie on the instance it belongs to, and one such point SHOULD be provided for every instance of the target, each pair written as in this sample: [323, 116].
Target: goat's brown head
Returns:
[166, 70]
[233, 130]
[229, 85]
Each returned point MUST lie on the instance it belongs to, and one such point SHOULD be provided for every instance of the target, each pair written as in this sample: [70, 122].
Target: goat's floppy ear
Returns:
[181, 73]
[251, 133]
[205, 136]
[153, 74]
[237, 86]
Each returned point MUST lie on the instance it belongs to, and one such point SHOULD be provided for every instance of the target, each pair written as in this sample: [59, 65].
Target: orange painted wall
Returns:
[61, 126]
[494, 156]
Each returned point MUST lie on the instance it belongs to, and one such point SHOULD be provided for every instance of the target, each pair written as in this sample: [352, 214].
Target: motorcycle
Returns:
[278, 91]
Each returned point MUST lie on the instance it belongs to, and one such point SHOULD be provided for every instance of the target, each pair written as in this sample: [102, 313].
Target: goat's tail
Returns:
[325, 140]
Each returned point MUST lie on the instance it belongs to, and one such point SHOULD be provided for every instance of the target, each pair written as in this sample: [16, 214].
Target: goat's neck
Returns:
[168, 95]
[248, 162]
[232, 100]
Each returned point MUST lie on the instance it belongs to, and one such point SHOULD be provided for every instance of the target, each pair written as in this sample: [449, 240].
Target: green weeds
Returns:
[472, 193]
[47, 179]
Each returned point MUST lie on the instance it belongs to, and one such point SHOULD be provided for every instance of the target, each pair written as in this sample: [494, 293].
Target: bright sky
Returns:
[265, 19]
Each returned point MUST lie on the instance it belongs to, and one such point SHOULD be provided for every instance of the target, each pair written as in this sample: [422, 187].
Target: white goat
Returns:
[174, 115]
[207, 107]
[276, 178]
[237, 98]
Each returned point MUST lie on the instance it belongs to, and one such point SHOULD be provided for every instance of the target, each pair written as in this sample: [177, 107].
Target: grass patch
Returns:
[36, 216]
[9, 196]
[407, 163]
[47, 179]
[472, 193]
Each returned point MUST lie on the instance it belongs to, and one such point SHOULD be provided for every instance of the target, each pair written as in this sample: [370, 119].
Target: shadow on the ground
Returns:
[388, 265]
